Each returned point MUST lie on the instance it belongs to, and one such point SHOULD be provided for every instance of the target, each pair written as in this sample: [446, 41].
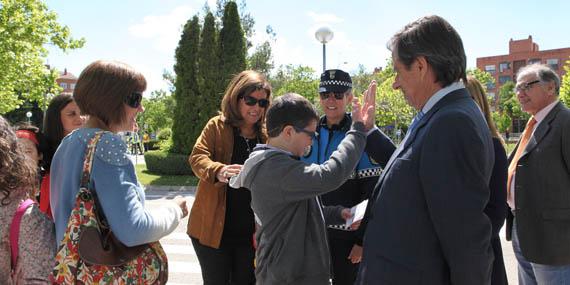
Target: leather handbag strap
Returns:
[15, 229]
[88, 162]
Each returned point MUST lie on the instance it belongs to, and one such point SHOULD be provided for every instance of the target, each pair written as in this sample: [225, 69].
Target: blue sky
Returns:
[145, 33]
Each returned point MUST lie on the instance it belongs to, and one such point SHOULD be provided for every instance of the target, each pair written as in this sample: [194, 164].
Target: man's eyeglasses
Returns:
[312, 135]
[251, 101]
[134, 99]
[525, 86]
[325, 95]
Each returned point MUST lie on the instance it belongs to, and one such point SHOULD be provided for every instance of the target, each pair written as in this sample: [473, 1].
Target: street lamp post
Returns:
[29, 115]
[324, 35]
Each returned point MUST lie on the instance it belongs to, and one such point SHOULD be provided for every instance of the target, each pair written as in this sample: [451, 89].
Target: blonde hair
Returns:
[478, 94]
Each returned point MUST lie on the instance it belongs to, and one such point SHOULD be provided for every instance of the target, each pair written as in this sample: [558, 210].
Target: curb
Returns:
[159, 188]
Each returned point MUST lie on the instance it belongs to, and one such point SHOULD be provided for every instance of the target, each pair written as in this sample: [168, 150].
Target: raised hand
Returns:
[365, 114]
[369, 108]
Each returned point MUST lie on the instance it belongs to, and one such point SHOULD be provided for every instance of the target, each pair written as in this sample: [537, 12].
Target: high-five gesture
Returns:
[366, 113]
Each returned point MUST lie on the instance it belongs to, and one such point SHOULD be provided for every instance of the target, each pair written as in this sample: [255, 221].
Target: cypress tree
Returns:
[208, 63]
[186, 113]
[232, 44]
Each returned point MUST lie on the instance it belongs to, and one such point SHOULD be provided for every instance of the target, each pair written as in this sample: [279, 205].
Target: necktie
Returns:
[415, 121]
[522, 145]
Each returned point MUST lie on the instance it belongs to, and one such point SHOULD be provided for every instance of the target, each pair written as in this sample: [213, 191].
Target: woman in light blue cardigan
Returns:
[111, 94]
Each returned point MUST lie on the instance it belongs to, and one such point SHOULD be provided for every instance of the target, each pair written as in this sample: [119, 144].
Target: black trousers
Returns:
[229, 264]
[343, 270]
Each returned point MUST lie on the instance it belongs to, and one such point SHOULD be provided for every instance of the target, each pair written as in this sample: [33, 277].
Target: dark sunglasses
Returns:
[251, 101]
[134, 99]
[313, 135]
[325, 96]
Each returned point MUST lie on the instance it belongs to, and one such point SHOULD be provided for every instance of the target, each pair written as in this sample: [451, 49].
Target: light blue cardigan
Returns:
[119, 193]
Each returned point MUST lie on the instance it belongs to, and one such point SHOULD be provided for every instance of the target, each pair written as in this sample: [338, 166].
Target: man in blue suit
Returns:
[426, 223]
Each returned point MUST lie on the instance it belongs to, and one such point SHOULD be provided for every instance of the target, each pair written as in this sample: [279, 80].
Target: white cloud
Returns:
[153, 77]
[325, 18]
[285, 52]
[163, 30]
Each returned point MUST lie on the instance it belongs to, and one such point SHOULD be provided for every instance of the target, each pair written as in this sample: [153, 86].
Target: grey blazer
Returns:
[542, 192]
[426, 223]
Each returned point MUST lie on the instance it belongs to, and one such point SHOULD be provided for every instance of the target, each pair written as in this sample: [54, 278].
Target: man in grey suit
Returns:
[426, 223]
[539, 181]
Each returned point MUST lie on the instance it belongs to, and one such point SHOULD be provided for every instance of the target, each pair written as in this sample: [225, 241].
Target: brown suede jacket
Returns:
[212, 151]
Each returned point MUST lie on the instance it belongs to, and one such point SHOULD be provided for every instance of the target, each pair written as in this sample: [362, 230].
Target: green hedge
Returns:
[162, 162]
[153, 145]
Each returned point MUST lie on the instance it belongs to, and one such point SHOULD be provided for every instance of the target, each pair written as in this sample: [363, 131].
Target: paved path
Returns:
[182, 261]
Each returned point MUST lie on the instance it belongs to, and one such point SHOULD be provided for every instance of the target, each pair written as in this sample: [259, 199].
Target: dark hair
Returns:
[435, 39]
[102, 88]
[289, 110]
[53, 128]
[243, 84]
[17, 173]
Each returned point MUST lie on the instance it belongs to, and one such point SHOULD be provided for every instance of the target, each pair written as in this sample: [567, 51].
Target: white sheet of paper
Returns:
[357, 213]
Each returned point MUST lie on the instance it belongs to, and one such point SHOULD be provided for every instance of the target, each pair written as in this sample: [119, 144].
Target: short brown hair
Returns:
[243, 84]
[102, 88]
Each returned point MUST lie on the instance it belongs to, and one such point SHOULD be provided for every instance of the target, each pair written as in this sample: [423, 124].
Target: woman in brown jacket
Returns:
[221, 223]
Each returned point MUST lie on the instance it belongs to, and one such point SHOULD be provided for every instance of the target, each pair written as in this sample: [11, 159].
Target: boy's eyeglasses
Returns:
[134, 99]
[251, 101]
[525, 86]
[325, 96]
[312, 135]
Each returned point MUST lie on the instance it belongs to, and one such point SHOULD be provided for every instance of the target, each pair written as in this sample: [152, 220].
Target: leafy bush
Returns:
[153, 144]
[164, 134]
[162, 162]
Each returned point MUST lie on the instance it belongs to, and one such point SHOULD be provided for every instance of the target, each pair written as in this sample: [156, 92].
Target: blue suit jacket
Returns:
[426, 221]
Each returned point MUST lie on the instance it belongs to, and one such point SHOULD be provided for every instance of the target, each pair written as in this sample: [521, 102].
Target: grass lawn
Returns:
[147, 178]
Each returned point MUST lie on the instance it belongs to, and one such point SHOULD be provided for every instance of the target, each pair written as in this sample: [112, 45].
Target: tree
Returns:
[565, 85]
[392, 109]
[361, 79]
[159, 111]
[26, 27]
[298, 79]
[261, 59]
[186, 113]
[247, 21]
[485, 78]
[232, 44]
[208, 75]
[502, 121]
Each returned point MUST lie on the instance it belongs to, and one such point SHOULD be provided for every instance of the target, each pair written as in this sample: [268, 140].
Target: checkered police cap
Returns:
[335, 80]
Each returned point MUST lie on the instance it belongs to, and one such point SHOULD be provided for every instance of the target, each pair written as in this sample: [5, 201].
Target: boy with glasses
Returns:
[291, 238]
[335, 90]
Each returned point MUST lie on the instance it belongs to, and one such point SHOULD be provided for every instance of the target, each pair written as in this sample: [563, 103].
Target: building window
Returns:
[72, 86]
[491, 85]
[491, 69]
[504, 79]
[63, 85]
[553, 63]
[503, 66]
[534, 60]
